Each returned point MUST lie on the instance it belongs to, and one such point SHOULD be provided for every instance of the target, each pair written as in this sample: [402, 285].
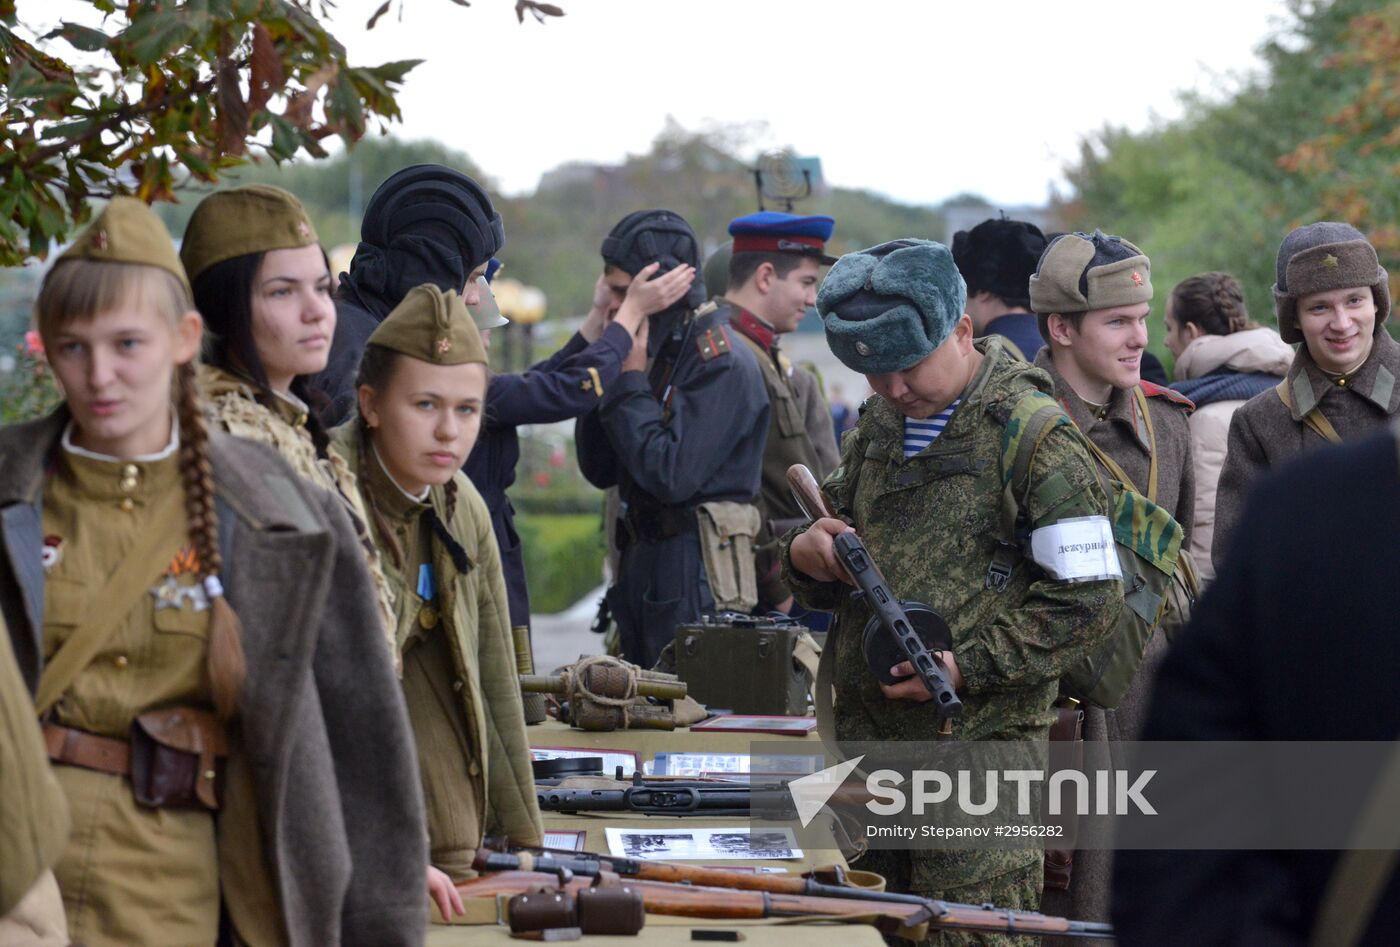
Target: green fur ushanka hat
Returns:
[886, 308]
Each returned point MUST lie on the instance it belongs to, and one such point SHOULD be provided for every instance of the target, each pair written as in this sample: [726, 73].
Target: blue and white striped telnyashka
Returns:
[920, 434]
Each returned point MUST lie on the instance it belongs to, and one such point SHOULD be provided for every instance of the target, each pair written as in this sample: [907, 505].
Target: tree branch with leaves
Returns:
[166, 92]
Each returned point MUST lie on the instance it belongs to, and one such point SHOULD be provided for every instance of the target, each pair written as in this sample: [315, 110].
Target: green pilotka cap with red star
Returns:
[431, 325]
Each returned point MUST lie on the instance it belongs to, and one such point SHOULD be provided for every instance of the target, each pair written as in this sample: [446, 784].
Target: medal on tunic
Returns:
[427, 591]
[169, 593]
[53, 552]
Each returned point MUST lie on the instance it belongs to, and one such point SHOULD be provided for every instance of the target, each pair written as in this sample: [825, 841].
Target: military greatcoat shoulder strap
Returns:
[1315, 420]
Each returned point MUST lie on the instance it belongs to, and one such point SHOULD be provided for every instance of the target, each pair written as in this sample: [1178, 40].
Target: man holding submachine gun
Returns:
[922, 481]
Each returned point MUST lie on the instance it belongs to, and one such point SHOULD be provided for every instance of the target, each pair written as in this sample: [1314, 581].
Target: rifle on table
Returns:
[897, 630]
[670, 797]
[702, 893]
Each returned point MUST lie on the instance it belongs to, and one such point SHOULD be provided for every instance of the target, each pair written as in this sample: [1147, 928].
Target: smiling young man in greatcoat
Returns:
[1333, 296]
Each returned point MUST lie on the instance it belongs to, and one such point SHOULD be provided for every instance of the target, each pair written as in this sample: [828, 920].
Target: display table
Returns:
[662, 931]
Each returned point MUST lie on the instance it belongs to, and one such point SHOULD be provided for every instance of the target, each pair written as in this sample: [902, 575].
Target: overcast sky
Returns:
[918, 99]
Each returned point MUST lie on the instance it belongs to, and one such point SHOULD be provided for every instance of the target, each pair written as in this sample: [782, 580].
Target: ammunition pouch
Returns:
[727, 532]
[177, 759]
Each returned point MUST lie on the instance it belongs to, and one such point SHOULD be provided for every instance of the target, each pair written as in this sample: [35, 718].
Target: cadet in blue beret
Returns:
[921, 480]
[774, 268]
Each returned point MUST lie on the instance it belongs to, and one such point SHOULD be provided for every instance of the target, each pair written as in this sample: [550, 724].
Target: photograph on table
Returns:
[702, 844]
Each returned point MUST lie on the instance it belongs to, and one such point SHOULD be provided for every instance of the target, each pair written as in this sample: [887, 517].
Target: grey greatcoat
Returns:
[1265, 432]
[322, 738]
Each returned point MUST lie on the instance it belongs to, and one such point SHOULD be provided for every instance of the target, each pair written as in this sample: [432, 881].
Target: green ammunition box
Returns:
[743, 664]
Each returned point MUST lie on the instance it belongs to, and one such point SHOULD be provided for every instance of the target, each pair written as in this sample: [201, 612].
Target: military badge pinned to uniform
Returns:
[1137, 278]
[52, 554]
[169, 593]
[1330, 261]
[444, 345]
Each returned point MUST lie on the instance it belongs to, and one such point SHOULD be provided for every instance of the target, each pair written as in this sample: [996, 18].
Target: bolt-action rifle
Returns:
[691, 891]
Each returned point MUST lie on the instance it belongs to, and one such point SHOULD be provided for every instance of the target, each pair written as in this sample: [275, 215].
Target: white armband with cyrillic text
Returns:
[1077, 550]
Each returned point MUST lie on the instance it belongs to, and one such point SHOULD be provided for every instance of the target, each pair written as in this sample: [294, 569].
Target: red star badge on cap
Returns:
[99, 240]
[444, 345]
[303, 228]
[1137, 278]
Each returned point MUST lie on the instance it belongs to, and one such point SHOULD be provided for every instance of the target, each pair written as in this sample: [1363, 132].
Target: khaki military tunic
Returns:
[453, 633]
[130, 875]
[234, 405]
[33, 818]
[789, 442]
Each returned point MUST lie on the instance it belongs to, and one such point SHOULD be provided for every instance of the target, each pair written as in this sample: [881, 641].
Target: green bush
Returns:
[563, 557]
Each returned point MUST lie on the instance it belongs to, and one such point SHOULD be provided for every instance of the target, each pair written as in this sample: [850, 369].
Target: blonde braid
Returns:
[227, 665]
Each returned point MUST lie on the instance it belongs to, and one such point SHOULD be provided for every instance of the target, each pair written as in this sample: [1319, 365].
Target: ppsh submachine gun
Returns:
[712, 893]
[665, 796]
[897, 630]
[602, 693]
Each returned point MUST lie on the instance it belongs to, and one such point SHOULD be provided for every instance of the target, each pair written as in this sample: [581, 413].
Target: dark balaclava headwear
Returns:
[650, 236]
[426, 224]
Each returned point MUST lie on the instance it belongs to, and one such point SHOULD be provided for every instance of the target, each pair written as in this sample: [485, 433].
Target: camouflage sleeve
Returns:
[840, 487]
[1056, 623]
[1244, 459]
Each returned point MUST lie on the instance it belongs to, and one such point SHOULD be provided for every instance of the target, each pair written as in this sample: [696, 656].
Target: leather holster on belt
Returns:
[1068, 728]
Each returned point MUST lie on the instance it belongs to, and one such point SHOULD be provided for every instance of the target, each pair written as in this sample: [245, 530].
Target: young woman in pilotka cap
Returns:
[422, 382]
[262, 283]
[198, 629]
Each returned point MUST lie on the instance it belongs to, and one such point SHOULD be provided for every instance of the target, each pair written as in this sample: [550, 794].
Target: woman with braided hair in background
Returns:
[1222, 360]
[227, 735]
[421, 387]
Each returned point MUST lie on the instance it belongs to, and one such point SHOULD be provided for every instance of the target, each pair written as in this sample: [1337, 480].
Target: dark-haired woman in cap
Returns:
[262, 283]
[1333, 296]
[226, 731]
[421, 390]
[1222, 360]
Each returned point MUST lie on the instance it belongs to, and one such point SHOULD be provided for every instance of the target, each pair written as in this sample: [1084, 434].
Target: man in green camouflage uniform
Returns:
[930, 518]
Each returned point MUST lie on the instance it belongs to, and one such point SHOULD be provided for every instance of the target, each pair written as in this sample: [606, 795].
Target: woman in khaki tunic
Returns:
[421, 385]
[160, 707]
[262, 283]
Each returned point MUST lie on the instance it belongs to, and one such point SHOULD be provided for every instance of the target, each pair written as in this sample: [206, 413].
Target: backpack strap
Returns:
[1016, 478]
[1013, 349]
[1315, 420]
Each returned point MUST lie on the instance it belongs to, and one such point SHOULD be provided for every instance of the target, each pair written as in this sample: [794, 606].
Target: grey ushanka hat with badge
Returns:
[1322, 257]
[1079, 272]
[886, 308]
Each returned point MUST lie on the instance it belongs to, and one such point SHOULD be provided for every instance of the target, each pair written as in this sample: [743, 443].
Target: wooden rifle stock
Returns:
[677, 900]
[671, 889]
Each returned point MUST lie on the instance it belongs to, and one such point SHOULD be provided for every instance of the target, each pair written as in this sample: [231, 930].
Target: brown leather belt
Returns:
[88, 750]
